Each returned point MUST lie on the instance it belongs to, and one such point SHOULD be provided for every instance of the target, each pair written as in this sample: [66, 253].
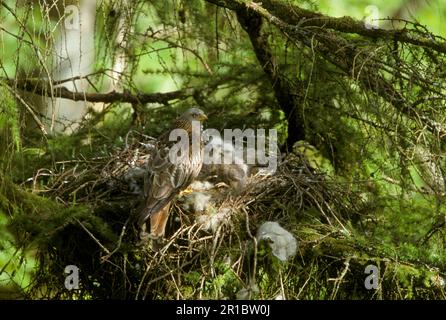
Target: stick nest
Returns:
[202, 256]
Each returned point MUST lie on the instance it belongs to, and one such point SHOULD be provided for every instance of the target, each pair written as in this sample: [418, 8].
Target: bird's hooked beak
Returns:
[202, 117]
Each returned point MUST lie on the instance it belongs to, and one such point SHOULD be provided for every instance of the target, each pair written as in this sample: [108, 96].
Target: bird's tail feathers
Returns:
[152, 207]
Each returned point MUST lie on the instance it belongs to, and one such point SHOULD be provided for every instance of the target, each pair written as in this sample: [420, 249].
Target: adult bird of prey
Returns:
[168, 176]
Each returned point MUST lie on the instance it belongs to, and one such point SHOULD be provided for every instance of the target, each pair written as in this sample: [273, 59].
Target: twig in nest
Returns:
[164, 276]
[106, 257]
[282, 287]
[252, 280]
[92, 236]
[339, 279]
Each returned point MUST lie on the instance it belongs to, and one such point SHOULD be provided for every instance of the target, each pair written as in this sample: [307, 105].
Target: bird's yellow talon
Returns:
[186, 191]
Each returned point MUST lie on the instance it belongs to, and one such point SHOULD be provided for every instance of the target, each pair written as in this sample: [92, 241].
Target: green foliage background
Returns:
[351, 135]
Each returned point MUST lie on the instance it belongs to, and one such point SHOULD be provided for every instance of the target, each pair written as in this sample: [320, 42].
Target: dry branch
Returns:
[276, 11]
[317, 32]
[43, 88]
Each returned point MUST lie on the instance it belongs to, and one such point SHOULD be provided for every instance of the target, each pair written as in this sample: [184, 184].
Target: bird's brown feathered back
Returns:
[168, 179]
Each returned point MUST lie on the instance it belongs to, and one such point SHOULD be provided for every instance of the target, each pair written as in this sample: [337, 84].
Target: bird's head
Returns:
[194, 114]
